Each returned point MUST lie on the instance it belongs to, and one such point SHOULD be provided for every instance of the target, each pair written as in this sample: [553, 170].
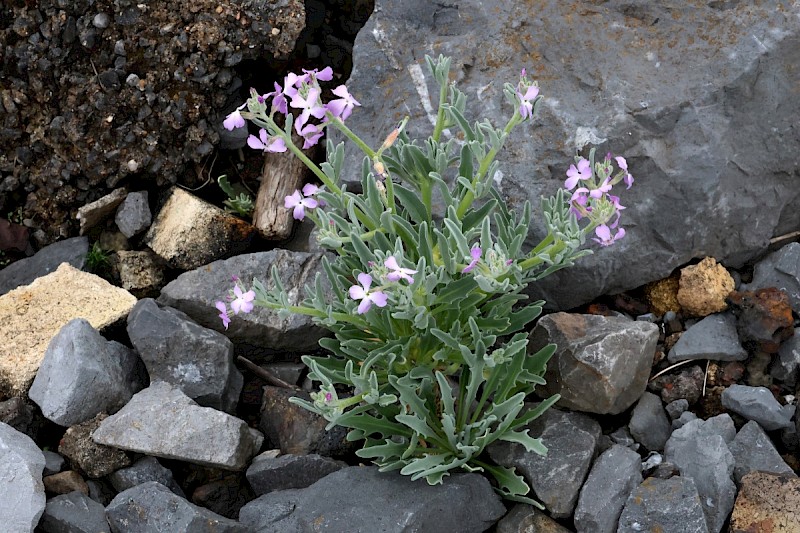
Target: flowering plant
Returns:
[427, 363]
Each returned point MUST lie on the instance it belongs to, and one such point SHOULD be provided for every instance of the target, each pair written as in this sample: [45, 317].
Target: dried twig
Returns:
[676, 365]
[705, 377]
[266, 375]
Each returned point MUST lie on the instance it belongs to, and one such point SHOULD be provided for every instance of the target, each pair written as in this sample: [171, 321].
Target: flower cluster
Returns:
[377, 296]
[240, 301]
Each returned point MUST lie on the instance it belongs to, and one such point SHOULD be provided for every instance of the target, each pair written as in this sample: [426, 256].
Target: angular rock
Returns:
[144, 470]
[224, 496]
[53, 463]
[133, 216]
[767, 502]
[95, 212]
[753, 450]
[140, 272]
[33, 319]
[74, 512]
[46, 260]
[676, 408]
[94, 460]
[601, 364]
[162, 421]
[65, 482]
[189, 232]
[649, 424]
[152, 507]
[684, 385]
[714, 338]
[614, 475]
[195, 292]
[375, 501]
[665, 505]
[556, 478]
[779, 269]
[756, 403]
[82, 375]
[661, 125]
[22, 497]
[525, 518]
[178, 351]
[703, 288]
[23, 416]
[662, 295]
[764, 318]
[785, 366]
[267, 474]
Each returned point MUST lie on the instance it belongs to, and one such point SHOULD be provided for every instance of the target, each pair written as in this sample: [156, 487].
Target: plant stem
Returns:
[369, 152]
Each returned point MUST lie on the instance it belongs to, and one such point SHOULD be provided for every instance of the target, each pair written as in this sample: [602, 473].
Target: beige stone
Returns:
[767, 503]
[703, 288]
[92, 214]
[34, 313]
[662, 295]
[189, 232]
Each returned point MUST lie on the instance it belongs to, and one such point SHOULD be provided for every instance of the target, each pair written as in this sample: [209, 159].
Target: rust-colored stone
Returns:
[767, 503]
[764, 318]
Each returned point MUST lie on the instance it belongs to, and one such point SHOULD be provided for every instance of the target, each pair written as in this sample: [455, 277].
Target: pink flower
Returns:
[602, 189]
[311, 133]
[325, 74]
[243, 301]
[475, 253]
[278, 99]
[343, 106]
[526, 101]
[604, 237]
[265, 142]
[310, 106]
[299, 204]
[223, 313]
[628, 179]
[361, 292]
[397, 272]
[233, 121]
[575, 174]
[292, 82]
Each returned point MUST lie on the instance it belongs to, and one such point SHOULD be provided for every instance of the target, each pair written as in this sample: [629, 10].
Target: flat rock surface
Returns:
[767, 502]
[22, 498]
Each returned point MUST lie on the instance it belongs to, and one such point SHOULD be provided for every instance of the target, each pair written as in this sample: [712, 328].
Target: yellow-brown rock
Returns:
[34, 313]
[767, 503]
[662, 295]
[703, 288]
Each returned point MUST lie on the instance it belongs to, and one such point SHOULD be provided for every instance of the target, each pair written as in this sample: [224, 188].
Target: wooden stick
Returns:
[266, 375]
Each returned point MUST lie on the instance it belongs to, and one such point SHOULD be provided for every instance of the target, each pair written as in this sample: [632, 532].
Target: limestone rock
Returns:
[525, 518]
[756, 403]
[36, 312]
[74, 512]
[93, 213]
[22, 499]
[753, 451]
[140, 272]
[704, 287]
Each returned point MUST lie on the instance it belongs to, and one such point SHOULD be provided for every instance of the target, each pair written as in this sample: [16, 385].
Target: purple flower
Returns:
[574, 175]
[602, 189]
[243, 301]
[309, 189]
[475, 253]
[526, 101]
[310, 106]
[292, 82]
[397, 272]
[604, 237]
[628, 179]
[223, 313]
[578, 202]
[325, 74]
[311, 133]
[233, 121]
[279, 99]
[343, 106]
[299, 204]
[361, 292]
[328, 397]
[265, 142]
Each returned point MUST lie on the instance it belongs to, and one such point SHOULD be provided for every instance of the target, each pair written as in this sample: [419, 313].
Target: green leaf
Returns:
[462, 122]
[521, 437]
[411, 203]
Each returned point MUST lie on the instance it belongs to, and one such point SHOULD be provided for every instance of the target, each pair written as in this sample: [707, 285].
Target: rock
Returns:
[133, 216]
[144, 470]
[82, 375]
[649, 424]
[189, 232]
[662, 295]
[753, 450]
[65, 483]
[296, 430]
[621, 436]
[375, 501]
[556, 478]
[195, 292]
[756, 403]
[74, 512]
[601, 364]
[764, 318]
[13, 236]
[101, 491]
[614, 475]
[225, 496]
[785, 366]
[703, 288]
[46, 260]
[663, 505]
[22, 497]
[91, 214]
[33, 319]
[779, 269]
[140, 272]
[268, 474]
[23, 416]
[162, 421]
[658, 123]
[525, 518]
[88, 457]
[199, 361]
[154, 508]
[286, 371]
[684, 419]
[676, 408]
[53, 463]
[684, 385]
[713, 338]
[767, 502]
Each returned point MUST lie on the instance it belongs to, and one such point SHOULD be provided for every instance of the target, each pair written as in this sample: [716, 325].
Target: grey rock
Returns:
[676, 408]
[363, 499]
[82, 375]
[525, 518]
[779, 269]
[714, 338]
[45, 261]
[684, 419]
[753, 450]
[685, 116]
[601, 365]
[622, 436]
[267, 474]
[100, 491]
[721, 425]
[140, 272]
[649, 424]
[133, 215]
[664, 505]
[93, 213]
[177, 350]
[22, 415]
[144, 470]
[556, 478]
[785, 366]
[195, 293]
[22, 499]
[163, 422]
[74, 513]
[53, 463]
[288, 372]
[614, 475]
[756, 403]
[153, 508]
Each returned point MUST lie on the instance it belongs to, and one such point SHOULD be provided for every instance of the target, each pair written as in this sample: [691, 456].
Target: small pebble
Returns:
[101, 21]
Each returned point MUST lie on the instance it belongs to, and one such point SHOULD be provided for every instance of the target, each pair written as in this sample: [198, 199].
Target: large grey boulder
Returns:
[687, 99]
[665, 505]
[753, 451]
[22, 498]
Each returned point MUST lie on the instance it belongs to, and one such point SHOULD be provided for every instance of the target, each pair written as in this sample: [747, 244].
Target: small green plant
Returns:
[15, 216]
[238, 202]
[97, 259]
